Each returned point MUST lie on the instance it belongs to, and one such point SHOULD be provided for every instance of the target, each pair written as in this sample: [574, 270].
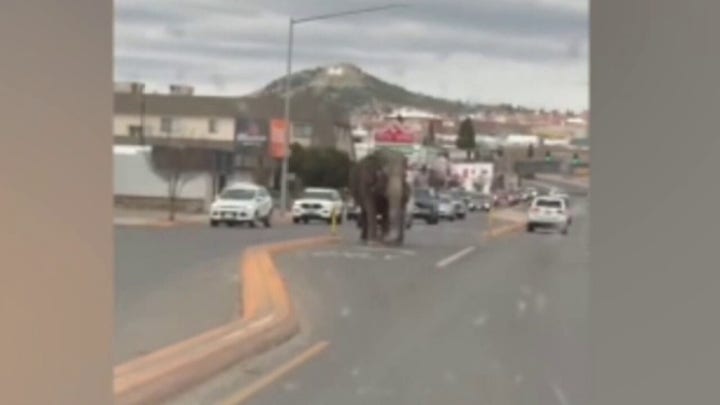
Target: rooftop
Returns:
[176, 104]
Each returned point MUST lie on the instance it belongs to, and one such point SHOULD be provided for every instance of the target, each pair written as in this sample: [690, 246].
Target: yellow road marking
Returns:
[268, 379]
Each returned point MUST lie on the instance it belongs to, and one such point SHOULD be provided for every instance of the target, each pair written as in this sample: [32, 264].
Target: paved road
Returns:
[503, 324]
[173, 283]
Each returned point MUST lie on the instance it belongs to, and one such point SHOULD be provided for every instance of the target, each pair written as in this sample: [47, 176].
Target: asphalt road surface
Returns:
[447, 319]
[174, 283]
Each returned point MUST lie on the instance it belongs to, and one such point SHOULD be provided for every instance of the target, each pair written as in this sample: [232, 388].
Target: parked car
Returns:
[549, 212]
[425, 206]
[318, 204]
[242, 203]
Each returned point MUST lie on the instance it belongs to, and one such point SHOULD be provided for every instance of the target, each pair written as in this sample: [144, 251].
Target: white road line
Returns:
[560, 395]
[459, 255]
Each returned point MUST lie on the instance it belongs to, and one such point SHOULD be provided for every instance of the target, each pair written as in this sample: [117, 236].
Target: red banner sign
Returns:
[278, 147]
[395, 134]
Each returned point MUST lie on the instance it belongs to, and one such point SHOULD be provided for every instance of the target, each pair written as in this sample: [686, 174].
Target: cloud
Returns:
[232, 47]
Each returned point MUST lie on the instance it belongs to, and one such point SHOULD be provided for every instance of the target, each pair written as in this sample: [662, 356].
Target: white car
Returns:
[242, 203]
[549, 212]
[320, 204]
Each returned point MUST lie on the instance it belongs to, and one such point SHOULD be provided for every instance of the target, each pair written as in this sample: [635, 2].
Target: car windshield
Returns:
[549, 203]
[238, 194]
[318, 195]
[423, 194]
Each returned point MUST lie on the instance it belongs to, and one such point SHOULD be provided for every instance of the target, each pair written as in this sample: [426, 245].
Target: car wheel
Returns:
[214, 224]
[296, 220]
[530, 228]
[267, 220]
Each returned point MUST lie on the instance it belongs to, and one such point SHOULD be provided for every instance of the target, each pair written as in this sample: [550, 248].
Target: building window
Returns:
[166, 124]
[302, 132]
[134, 131]
[212, 125]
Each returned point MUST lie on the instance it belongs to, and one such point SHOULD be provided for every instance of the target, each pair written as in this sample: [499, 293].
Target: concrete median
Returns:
[268, 319]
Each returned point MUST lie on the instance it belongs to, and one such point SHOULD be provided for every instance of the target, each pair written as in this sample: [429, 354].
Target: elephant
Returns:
[379, 186]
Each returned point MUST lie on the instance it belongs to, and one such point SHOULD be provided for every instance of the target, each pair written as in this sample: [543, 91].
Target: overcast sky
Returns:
[528, 52]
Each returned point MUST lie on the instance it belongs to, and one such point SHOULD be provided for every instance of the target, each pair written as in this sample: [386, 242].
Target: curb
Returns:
[268, 319]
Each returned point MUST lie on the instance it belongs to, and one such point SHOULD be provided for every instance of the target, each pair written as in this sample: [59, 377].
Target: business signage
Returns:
[473, 174]
[395, 134]
[251, 132]
[278, 146]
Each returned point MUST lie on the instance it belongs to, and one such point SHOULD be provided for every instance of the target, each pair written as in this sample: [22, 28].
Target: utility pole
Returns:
[288, 119]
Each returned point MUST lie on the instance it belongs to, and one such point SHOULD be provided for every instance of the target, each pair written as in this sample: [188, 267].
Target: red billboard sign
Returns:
[395, 134]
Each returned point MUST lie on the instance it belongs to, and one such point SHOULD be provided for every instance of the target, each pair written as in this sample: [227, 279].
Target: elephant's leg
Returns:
[384, 218]
[371, 220]
[363, 225]
[401, 228]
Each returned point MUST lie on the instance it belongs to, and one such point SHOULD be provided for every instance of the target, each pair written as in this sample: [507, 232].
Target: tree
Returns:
[466, 137]
[430, 137]
[177, 164]
[320, 166]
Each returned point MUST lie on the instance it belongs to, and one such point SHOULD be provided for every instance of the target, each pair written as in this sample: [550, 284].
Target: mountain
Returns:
[354, 90]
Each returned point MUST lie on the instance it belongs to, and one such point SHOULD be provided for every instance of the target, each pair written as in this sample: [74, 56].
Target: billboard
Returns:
[278, 146]
[474, 175]
[395, 134]
[251, 132]
[251, 139]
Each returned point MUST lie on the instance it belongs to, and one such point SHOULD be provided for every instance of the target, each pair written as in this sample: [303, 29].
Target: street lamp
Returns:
[291, 28]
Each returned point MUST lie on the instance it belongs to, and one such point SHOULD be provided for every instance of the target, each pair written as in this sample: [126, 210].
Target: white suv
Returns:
[242, 203]
[549, 212]
[318, 203]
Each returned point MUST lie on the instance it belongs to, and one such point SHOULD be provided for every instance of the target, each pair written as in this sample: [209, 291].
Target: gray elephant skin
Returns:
[378, 185]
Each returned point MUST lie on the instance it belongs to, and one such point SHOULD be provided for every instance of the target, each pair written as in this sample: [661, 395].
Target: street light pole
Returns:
[288, 121]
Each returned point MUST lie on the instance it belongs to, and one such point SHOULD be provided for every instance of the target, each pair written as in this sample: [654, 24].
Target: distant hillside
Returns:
[354, 90]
